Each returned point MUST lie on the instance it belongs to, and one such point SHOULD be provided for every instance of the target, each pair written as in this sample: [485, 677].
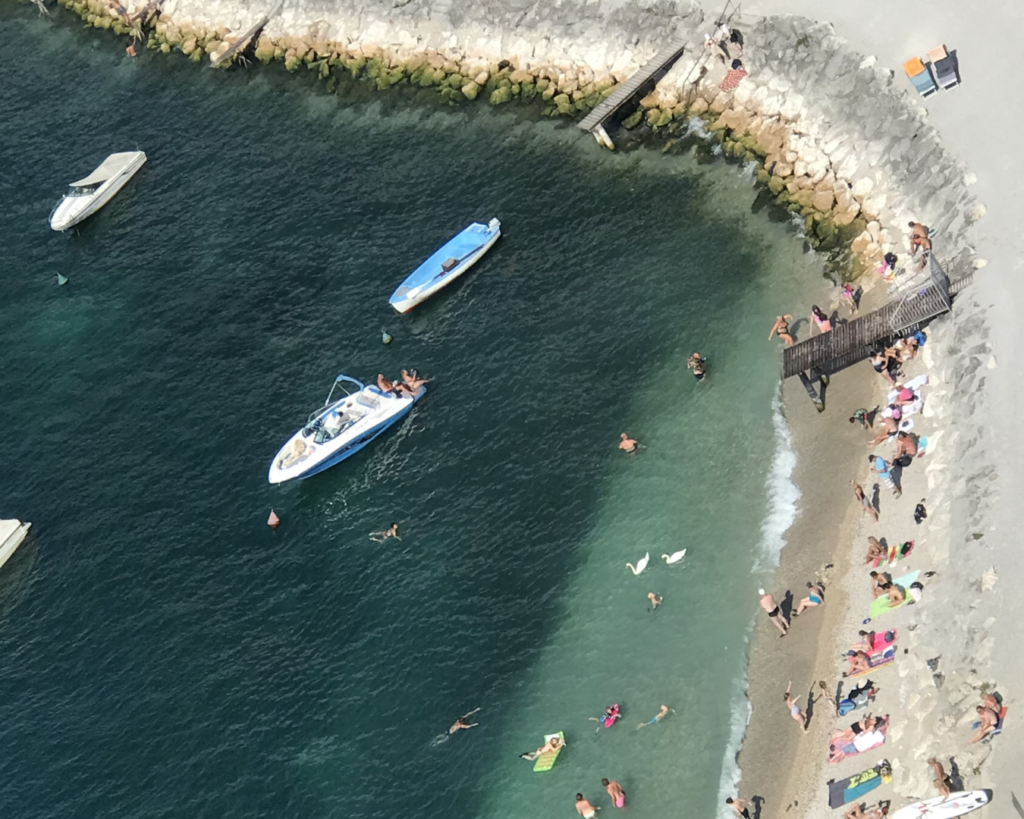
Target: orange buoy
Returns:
[273, 520]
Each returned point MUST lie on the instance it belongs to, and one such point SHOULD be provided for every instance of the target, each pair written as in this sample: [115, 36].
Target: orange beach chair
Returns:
[919, 75]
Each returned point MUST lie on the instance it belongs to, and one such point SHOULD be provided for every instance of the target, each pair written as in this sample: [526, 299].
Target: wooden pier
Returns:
[622, 93]
[247, 35]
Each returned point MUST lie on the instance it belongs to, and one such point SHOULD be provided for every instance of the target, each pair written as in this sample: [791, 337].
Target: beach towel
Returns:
[853, 788]
[922, 445]
[897, 553]
[914, 384]
[732, 79]
[881, 604]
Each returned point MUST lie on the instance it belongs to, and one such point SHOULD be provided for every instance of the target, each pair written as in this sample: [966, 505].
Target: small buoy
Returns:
[62, 279]
[273, 520]
[385, 336]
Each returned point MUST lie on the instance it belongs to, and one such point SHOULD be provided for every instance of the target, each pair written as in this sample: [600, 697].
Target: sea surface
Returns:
[166, 654]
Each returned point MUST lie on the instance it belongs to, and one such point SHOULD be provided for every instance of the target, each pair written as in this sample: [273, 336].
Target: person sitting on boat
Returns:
[552, 744]
[297, 453]
[412, 379]
[385, 386]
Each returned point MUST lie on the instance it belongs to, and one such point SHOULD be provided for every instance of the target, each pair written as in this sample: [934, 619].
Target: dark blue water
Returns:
[165, 652]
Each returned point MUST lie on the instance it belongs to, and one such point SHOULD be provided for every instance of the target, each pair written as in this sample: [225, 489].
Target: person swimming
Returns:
[657, 717]
[380, 537]
[461, 725]
[627, 444]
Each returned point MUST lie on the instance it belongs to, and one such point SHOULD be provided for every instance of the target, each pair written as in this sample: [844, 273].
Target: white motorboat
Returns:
[12, 532]
[340, 428]
[88, 195]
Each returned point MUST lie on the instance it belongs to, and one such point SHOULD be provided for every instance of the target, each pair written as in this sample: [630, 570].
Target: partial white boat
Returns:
[341, 428]
[88, 195]
[447, 263]
[12, 532]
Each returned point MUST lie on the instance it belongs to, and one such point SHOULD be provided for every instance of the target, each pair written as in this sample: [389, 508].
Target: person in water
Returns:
[618, 796]
[609, 717]
[584, 808]
[552, 744]
[655, 600]
[740, 807]
[380, 537]
[627, 444]
[781, 329]
[657, 717]
[461, 725]
[696, 363]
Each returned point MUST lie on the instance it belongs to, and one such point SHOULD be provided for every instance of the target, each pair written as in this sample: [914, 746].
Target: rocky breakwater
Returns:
[837, 139]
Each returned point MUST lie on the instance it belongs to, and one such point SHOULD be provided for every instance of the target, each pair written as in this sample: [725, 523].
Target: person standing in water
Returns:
[781, 328]
[616, 793]
[739, 807]
[696, 363]
[584, 808]
[627, 444]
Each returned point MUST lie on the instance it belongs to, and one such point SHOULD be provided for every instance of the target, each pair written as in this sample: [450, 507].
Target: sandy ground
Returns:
[975, 121]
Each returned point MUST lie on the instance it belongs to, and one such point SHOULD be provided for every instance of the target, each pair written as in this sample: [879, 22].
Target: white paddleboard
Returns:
[956, 804]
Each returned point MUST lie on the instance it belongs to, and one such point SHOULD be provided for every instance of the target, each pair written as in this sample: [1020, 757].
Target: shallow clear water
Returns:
[167, 654]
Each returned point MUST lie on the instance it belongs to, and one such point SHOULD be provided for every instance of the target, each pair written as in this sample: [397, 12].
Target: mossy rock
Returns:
[500, 95]
[355, 67]
[776, 185]
[847, 233]
[549, 92]
[470, 90]
[542, 84]
[563, 103]
[188, 46]
[165, 48]
[291, 63]
[514, 89]
[375, 67]
[593, 99]
[196, 55]
[332, 84]
[825, 230]
[762, 176]
[504, 82]
[528, 90]
[630, 122]
[455, 81]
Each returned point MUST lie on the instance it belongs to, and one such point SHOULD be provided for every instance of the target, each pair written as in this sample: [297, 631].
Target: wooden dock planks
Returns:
[624, 91]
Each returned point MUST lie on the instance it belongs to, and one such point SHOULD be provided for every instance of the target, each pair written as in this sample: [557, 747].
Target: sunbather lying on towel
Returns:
[869, 723]
[859, 662]
[864, 741]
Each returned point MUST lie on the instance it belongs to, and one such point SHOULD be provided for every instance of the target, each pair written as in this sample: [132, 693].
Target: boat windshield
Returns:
[83, 190]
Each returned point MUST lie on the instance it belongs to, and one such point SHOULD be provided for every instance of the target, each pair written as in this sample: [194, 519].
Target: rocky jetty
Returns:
[837, 139]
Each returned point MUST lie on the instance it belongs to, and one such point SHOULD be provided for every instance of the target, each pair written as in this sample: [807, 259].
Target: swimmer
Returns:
[657, 717]
[412, 379]
[584, 808]
[461, 724]
[552, 744]
[616, 793]
[696, 363]
[655, 600]
[627, 444]
[380, 537]
[781, 329]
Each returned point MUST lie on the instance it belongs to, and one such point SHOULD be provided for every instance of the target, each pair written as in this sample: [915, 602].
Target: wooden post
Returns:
[602, 138]
[810, 391]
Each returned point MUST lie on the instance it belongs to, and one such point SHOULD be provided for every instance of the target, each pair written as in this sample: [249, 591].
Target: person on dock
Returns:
[656, 600]
[618, 796]
[696, 363]
[627, 444]
[584, 808]
[849, 295]
[461, 725]
[863, 416]
[662, 713]
[768, 603]
[794, 709]
[380, 537]
[866, 504]
[815, 597]
[818, 317]
[781, 329]
[739, 806]
[941, 781]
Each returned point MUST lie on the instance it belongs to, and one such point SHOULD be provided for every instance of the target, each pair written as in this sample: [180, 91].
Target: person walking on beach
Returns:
[882, 469]
[616, 793]
[941, 782]
[866, 505]
[815, 597]
[627, 444]
[655, 600]
[769, 605]
[584, 808]
[739, 806]
[781, 328]
[794, 709]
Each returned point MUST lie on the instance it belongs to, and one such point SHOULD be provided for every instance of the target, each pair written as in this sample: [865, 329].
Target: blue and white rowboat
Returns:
[446, 265]
[340, 428]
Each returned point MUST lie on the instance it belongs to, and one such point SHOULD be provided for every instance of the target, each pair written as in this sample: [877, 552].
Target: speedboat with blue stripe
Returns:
[342, 427]
[446, 264]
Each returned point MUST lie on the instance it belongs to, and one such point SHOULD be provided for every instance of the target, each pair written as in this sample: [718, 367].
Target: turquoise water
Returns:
[168, 654]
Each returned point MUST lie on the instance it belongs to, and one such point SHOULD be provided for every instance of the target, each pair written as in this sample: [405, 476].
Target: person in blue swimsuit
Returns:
[815, 597]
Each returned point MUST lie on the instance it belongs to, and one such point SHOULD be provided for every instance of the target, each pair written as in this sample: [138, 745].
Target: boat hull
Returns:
[330, 457]
[404, 302]
[12, 533]
[68, 213]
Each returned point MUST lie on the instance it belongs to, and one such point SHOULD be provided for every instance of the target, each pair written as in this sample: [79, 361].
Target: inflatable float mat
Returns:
[546, 761]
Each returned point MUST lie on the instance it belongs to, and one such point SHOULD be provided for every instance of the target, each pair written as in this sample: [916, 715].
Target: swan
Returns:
[641, 564]
[675, 557]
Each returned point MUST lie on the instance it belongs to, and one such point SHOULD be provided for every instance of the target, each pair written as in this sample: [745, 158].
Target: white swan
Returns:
[675, 557]
[641, 564]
